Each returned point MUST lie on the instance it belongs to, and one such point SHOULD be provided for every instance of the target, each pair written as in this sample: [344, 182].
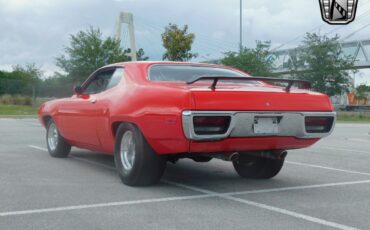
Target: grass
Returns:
[357, 117]
[17, 110]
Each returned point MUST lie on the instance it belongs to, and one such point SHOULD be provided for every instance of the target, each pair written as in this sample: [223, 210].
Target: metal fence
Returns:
[40, 89]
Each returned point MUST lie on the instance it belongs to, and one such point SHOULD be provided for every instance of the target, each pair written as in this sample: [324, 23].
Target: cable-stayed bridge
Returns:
[358, 50]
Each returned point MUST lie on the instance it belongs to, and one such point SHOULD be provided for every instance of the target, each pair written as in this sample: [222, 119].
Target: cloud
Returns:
[36, 31]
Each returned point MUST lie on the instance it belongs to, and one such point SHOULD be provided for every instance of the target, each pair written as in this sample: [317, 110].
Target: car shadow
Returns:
[94, 157]
[184, 171]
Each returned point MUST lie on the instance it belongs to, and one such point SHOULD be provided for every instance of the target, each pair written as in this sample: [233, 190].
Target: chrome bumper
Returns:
[241, 124]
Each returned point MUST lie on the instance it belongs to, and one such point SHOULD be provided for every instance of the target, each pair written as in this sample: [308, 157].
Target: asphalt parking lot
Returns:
[323, 187]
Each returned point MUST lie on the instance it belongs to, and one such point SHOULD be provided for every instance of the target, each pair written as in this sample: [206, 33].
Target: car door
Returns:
[82, 112]
[106, 100]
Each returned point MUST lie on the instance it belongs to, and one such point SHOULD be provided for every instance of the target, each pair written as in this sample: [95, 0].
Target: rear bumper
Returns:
[291, 124]
[250, 144]
[243, 144]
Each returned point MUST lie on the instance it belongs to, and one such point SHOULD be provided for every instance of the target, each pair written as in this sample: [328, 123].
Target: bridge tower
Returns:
[127, 18]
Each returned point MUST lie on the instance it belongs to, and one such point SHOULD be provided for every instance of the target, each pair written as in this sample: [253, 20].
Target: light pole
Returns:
[241, 27]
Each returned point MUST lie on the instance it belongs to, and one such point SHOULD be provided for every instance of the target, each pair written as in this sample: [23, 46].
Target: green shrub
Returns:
[22, 100]
[6, 99]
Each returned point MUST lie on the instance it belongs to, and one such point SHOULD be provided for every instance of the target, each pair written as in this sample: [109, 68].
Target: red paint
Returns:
[156, 107]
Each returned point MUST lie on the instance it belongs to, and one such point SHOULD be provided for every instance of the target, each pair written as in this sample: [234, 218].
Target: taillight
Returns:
[318, 124]
[208, 125]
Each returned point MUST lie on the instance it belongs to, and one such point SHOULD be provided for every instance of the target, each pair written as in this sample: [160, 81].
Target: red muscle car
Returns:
[148, 113]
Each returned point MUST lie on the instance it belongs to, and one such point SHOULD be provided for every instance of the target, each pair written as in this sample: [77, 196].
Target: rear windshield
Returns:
[187, 72]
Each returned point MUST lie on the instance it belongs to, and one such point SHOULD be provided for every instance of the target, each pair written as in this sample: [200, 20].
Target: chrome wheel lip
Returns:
[127, 150]
[52, 137]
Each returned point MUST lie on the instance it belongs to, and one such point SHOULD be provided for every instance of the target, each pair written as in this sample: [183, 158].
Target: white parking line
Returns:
[344, 149]
[267, 207]
[100, 205]
[328, 168]
[77, 158]
[301, 187]
[37, 147]
[360, 140]
[293, 214]
[208, 193]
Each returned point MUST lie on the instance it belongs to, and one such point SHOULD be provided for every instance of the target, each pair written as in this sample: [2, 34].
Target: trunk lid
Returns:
[258, 98]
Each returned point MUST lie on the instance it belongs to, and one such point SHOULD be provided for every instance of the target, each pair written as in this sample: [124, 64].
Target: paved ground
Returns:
[326, 186]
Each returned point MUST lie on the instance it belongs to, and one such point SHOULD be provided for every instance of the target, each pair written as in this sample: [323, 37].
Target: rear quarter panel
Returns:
[155, 108]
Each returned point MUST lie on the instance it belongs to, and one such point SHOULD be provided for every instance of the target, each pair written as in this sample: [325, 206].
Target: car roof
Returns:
[147, 63]
[144, 65]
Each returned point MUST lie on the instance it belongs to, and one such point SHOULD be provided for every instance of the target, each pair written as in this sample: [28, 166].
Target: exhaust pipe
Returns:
[227, 156]
[278, 154]
[281, 155]
[275, 154]
[232, 157]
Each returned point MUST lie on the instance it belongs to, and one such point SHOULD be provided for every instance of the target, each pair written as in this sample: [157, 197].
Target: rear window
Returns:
[187, 72]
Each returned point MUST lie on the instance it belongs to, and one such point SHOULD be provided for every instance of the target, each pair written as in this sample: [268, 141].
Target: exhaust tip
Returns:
[233, 157]
[282, 155]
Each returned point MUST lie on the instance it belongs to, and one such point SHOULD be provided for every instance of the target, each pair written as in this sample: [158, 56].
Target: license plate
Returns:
[266, 125]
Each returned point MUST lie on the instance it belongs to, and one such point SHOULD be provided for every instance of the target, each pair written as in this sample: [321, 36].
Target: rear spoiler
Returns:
[304, 84]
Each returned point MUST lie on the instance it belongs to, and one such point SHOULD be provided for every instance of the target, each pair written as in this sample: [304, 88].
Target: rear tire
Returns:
[136, 162]
[56, 144]
[253, 167]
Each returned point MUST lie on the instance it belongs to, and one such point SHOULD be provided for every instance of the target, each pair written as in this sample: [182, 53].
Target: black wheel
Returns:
[56, 145]
[136, 162]
[257, 167]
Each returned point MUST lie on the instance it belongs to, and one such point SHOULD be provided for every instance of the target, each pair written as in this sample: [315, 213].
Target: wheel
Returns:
[257, 167]
[55, 142]
[136, 162]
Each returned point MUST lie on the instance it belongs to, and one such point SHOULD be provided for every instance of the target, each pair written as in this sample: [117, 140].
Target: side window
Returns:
[99, 82]
[104, 80]
[116, 78]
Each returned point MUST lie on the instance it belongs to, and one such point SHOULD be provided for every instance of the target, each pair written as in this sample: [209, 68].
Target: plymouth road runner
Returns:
[149, 113]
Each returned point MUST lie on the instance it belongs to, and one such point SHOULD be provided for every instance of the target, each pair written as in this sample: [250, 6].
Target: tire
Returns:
[56, 144]
[253, 167]
[136, 162]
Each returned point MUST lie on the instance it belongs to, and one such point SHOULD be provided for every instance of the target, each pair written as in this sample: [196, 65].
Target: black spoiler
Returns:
[304, 84]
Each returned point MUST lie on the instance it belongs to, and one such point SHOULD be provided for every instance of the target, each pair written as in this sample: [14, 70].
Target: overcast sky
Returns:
[35, 31]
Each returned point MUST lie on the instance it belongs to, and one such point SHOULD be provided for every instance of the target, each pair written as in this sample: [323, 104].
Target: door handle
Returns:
[93, 100]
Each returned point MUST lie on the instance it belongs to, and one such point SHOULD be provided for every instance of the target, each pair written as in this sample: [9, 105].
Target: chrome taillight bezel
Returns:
[241, 124]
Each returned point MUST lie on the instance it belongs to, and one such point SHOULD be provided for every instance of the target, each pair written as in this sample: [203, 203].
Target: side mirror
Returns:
[77, 90]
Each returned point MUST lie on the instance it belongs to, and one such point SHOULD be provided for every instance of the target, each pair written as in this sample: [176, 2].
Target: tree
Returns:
[29, 74]
[257, 61]
[177, 43]
[321, 60]
[21, 80]
[362, 92]
[140, 54]
[87, 52]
